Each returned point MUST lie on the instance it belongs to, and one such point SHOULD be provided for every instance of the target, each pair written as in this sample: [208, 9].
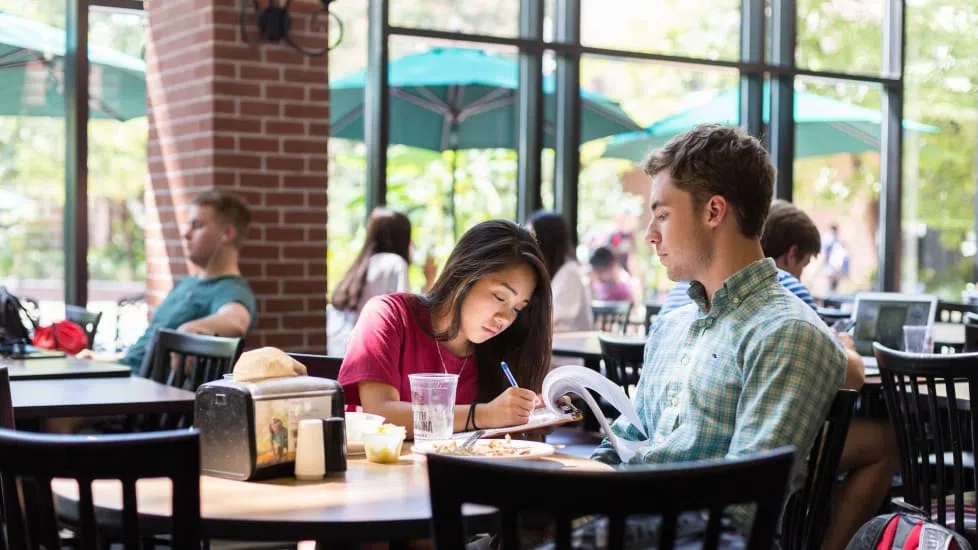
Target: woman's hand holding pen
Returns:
[510, 408]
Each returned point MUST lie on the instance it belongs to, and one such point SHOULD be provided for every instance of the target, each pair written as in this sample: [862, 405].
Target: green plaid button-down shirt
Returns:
[755, 372]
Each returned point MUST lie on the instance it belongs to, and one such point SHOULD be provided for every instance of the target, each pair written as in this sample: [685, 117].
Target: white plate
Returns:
[536, 450]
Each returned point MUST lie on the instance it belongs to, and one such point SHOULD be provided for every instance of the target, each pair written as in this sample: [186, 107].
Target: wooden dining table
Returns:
[76, 397]
[370, 502]
[62, 368]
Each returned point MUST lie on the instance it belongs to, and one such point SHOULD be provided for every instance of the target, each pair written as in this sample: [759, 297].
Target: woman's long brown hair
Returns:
[387, 231]
[486, 248]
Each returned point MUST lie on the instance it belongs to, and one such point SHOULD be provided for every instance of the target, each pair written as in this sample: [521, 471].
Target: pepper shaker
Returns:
[335, 441]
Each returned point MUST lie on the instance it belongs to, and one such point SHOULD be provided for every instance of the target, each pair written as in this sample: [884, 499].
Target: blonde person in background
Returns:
[571, 296]
[381, 267]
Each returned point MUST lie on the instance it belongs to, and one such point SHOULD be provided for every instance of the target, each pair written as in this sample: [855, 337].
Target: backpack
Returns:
[904, 531]
[12, 329]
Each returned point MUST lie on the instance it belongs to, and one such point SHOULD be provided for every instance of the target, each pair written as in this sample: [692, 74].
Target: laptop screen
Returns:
[882, 320]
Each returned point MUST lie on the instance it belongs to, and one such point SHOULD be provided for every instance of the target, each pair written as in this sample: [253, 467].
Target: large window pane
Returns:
[708, 29]
[487, 17]
[939, 158]
[610, 174]
[117, 176]
[840, 35]
[346, 158]
[32, 147]
[837, 180]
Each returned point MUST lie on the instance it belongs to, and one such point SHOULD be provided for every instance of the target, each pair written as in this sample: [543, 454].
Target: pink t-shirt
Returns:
[390, 341]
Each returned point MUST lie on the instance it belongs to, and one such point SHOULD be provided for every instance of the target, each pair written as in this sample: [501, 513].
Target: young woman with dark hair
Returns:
[571, 297]
[491, 303]
[381, 267]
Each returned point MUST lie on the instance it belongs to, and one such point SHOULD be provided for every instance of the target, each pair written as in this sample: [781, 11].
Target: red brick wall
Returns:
[252, 121]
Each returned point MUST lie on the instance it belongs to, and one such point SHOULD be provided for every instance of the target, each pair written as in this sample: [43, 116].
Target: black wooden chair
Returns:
[185, 360]
[611, 316]
[322, 366]
[971, 334]
[37, 458]
[31, 314]
[205, 358]
[623, 359]
[934, 428]
[807, 513]
[6, 402]
[651, 312]
[664, 491]
[87, 320]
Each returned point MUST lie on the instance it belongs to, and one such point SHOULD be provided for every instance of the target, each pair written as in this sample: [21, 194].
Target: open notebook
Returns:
[577, 380]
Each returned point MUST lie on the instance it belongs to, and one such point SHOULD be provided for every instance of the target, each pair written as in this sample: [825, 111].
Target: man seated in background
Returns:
[215, 301]
[870, 457]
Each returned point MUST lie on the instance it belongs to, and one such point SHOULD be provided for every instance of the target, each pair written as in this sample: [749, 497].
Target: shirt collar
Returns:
[736, 288]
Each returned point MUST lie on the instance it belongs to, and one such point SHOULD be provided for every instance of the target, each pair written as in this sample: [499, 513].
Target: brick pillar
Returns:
[252, 121]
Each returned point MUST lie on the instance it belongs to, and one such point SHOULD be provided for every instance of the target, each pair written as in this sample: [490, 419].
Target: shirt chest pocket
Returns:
[712, 389]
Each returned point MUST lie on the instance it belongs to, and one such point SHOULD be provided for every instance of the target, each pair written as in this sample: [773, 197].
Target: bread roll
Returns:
[266, 362]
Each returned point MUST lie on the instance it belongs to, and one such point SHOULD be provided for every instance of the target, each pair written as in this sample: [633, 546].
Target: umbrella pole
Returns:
[451, 196]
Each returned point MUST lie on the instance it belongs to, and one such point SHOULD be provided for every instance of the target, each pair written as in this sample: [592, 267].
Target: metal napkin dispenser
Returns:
[248, 429]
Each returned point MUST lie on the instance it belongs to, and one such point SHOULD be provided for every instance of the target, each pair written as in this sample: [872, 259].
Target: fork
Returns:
[470, 441]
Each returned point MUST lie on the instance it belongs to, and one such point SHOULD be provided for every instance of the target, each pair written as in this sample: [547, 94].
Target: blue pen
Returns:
[509, 375]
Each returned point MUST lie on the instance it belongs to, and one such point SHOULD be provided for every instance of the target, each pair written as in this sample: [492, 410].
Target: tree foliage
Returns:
[32, 160]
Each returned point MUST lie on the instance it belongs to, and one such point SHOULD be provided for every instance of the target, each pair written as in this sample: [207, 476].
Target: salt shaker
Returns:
[334, 429]
[310, 462]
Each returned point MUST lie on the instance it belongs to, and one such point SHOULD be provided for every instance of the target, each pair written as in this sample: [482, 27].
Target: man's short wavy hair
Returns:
[714, 159]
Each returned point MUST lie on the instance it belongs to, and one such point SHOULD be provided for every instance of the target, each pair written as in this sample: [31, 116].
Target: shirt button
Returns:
[684, 360]
[736, 301]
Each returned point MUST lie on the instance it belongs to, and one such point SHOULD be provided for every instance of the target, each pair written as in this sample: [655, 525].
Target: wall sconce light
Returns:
[274, 24]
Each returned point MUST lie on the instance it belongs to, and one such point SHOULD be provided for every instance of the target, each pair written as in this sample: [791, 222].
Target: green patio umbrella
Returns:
[823, 126]
[31, 72]
[458, 98]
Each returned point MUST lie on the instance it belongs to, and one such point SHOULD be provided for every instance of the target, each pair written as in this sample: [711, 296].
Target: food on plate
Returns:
[483, 447]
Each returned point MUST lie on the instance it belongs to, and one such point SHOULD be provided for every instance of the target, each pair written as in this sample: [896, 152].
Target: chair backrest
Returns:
[664, 491]
[953, 312]
[611, 316]
[6, 401]
[204, 358]
[323, 366]
[971, 335]
[88, 320]
[836, 302]
[806, 516]
[623, 359]
[928, 399]
[29, 461]
[651, 312]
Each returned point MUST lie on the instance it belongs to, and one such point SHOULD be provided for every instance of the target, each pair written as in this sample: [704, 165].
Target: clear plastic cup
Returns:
[433, 405]
[918, 339]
